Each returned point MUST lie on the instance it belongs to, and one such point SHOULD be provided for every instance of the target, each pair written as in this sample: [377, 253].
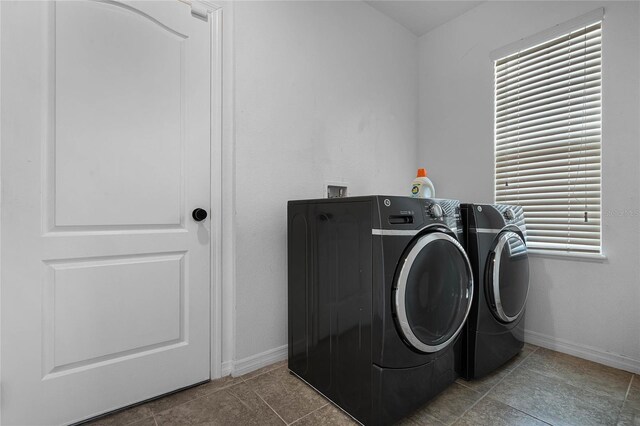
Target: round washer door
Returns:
[508, 277]
[433, 292]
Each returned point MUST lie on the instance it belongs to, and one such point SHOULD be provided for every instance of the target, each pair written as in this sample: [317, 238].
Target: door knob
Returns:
[199, 214]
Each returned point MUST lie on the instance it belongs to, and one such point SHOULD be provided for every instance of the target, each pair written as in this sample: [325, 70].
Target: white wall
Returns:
[324, 91]
[590, 309]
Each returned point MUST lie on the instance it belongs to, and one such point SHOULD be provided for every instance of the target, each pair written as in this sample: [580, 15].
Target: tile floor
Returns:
[537, 387]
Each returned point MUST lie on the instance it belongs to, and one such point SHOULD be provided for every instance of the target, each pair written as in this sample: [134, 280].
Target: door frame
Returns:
[214, 16]
[222, 325]
[222, 177]
[223, 185]
[222, 137]
[214, 12]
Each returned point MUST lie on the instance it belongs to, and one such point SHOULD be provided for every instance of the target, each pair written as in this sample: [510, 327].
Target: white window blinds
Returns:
[548, 107]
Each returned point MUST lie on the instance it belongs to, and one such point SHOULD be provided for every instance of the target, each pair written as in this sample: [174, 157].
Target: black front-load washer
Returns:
[495, 238]
[379, 290]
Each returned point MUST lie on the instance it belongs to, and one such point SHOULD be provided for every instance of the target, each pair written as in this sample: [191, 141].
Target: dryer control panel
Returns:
[416, 213]
[495, 217]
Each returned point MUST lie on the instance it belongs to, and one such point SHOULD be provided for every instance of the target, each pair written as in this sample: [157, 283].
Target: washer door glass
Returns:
[434, 291]
[508, 277]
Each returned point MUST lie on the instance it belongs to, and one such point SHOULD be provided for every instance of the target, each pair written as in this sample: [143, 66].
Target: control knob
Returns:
[435, 210]
[509, 214]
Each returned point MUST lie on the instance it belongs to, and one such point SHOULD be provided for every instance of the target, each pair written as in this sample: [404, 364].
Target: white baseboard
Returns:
[583, 351]
[254, 362]
[227, 368]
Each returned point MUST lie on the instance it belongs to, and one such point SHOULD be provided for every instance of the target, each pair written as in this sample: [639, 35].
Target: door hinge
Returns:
[199, 9]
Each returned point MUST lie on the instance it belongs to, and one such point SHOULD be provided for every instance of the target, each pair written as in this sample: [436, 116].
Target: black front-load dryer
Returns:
[379, 290]
[495, 237]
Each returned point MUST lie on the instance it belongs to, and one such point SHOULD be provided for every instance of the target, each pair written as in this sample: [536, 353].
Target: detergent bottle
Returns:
[422, 187]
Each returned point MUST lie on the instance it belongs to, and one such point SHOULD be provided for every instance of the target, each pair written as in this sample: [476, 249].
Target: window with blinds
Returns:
[548, 107]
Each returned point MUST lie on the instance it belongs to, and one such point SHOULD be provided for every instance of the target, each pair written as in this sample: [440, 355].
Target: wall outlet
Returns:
[336, 191]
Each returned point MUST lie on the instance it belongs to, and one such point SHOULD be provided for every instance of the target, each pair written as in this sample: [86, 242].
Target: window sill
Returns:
[586, 257]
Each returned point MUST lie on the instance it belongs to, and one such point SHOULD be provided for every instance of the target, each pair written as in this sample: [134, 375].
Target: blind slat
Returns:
[543, 171]
[571, 66]
[571, 100]
[550, 78]
[521, 118]
[593, 39]
[543, 153]
[550, 210]
[517, 147]
[551, 126]
[552, 215]
[549, 189]
[552, 81]
[559, 205]
[576, 92]
[567, 156]
[549, 83]
[559, 197]
[528, 125]
[549, 108]
[542, 48]
[590, 241]
[511, 186]
[578, 137]
[541, 166]
[573, 133]
[592, 224]
[551, 248]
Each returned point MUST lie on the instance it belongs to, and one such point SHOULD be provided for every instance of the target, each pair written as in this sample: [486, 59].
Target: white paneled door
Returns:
[105, 153]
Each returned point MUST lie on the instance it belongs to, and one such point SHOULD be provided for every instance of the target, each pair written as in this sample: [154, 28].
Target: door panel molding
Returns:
[86, 209]
[60, 340]
[144, 15]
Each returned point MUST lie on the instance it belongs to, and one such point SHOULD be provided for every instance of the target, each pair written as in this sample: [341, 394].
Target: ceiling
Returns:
[421, 16]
